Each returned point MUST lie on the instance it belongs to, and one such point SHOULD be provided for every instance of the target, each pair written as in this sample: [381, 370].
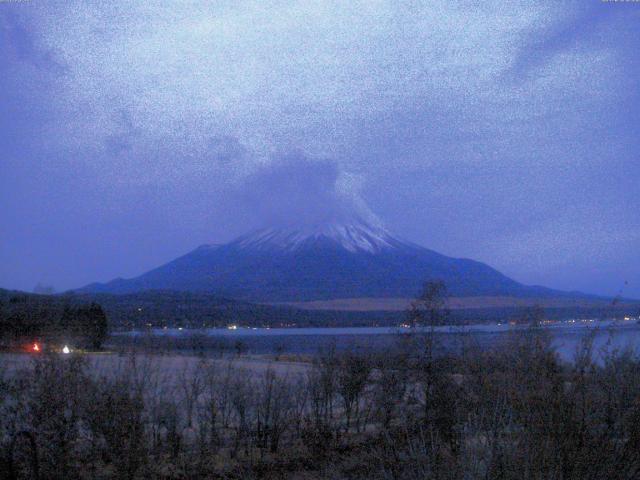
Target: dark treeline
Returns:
[204, 310]
[197, 310]
[30, 318]
[412, 412]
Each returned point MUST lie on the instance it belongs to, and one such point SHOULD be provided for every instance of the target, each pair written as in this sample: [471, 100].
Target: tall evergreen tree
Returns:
[97, 325]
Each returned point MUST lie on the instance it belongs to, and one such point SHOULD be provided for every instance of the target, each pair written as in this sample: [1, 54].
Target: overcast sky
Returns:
[506, 131]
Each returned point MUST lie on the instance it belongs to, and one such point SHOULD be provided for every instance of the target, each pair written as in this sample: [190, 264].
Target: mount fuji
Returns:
[318, 262]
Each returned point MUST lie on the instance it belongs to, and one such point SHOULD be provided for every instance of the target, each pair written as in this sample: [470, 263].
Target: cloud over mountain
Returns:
[294, 188]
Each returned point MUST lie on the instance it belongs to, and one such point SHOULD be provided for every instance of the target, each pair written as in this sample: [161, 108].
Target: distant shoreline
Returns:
[396, 304]
[569, 325]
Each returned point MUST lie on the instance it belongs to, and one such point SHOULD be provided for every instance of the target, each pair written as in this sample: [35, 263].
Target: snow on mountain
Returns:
[357, 236]
[322, 261]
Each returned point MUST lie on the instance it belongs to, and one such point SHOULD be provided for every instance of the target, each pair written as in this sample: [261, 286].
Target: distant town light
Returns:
[36, 347]
[66, 350]
[232, 327]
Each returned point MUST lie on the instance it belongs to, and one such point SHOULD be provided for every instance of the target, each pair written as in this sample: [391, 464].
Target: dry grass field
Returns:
[454, 303]
[167, 365]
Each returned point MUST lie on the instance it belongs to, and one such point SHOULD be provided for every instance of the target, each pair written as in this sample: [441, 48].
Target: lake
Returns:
[567, 336]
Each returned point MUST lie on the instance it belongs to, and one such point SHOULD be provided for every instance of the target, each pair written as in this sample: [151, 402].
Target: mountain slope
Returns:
[321, 262]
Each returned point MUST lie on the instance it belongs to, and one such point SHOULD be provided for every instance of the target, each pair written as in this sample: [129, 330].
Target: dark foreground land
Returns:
[410, 411]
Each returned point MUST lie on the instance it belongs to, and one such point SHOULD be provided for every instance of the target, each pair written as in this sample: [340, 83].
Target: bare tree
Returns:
[429, 308]
[353, 371]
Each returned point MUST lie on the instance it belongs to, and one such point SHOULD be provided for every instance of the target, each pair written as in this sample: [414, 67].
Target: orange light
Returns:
[36, 347]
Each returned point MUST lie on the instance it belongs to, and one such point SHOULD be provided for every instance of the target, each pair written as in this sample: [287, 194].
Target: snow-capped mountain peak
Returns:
[341, 258]
[356, 236]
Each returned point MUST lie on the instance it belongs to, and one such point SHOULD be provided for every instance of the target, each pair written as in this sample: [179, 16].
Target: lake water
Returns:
[567, 336]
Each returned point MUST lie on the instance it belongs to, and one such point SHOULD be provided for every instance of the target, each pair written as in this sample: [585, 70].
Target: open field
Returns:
[454, 303]
[109, 363]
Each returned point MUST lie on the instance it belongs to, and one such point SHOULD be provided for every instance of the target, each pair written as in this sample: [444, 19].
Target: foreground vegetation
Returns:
[413, 412]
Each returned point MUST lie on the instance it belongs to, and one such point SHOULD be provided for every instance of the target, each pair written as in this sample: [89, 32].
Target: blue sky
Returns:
[508, 132]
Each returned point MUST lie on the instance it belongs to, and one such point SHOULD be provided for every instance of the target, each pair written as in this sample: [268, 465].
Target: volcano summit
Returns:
[325, 261]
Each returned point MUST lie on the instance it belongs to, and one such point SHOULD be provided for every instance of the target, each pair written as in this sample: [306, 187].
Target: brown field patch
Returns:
[395, 304]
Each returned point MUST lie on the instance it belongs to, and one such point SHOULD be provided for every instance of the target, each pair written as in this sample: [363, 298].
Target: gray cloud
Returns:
[294, 188]
[580, 26]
